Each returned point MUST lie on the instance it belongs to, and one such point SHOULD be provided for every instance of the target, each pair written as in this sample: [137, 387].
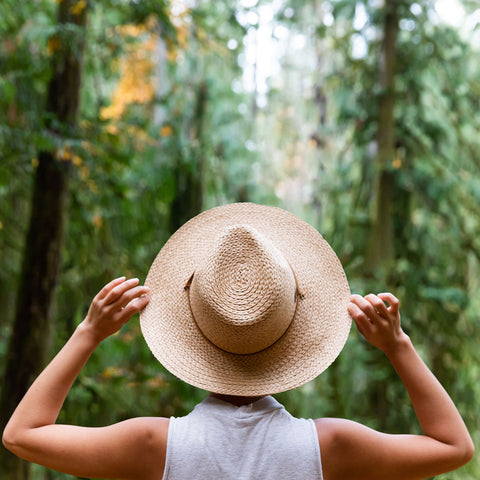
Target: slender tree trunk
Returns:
[380, 249]
[320, 104]
[30, 337]
[189, 176]
[163, 83]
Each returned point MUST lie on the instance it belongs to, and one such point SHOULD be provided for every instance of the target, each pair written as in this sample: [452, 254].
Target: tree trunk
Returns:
[320, 104]
[189, 177]
[380, 249]
[30, 337]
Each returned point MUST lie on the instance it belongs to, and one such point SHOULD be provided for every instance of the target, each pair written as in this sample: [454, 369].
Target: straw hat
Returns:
[247, 300]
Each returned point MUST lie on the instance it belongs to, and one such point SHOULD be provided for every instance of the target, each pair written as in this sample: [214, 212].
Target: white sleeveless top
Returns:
[219, 441]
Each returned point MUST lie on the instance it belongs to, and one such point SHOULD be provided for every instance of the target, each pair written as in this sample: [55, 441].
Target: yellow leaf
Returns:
[35, 162]
[201, 34]
[76, 160]
[84, 172]
[88, 146]
[397, 163]
[172, 55]
[79, 7]
[112, 129]
[166, 131]
[112, 371]
[182, 35]
[64, 154]
[136, 84]
[131, 30]
[94, 189]
[111, 112]
[97, 220]
[53, 44]
[156, 382]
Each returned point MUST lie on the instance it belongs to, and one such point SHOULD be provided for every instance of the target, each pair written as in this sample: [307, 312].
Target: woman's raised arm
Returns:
[117, 451]
[366, 454]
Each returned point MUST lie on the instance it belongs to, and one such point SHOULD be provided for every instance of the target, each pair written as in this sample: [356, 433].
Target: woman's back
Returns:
[257, 440]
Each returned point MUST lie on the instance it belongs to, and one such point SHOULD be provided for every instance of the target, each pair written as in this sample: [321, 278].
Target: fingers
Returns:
[377, 322]
[114, 305]
[371, 310]
[392, 300]
[118, 290]
[374, 305]
[108, 287]
[132, 294]
[130, 302]
[377, 303]
[359, 317]
[368, 306]
[135, 305]
[118, 294]
[363, 313]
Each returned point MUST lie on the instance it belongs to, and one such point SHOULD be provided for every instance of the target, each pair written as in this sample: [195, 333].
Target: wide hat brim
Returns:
[314, 339]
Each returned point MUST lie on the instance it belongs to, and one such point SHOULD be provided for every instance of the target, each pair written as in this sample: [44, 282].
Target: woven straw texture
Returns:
[314, 337]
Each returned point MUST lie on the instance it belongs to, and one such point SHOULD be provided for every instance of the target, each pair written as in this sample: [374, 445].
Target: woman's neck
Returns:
[238, 401]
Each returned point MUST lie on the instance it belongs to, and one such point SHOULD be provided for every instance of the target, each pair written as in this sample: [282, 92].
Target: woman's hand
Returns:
[130, 449]
[113, 306]
[356, 451]
[377, 322]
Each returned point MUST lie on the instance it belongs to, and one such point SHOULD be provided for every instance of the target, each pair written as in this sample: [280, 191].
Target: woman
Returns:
[206, 330]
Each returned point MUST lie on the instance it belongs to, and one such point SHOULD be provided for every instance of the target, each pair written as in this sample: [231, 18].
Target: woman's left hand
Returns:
[114, 305]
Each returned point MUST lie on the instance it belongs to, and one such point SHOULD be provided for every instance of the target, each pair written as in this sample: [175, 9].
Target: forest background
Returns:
[122, 119]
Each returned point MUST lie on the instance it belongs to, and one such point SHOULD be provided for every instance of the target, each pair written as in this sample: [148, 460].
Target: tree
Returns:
[29, 342]
[166, 128]
[381, 245]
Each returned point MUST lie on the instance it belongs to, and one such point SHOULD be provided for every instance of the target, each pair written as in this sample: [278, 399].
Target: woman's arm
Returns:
[110, 452]
[445, 444]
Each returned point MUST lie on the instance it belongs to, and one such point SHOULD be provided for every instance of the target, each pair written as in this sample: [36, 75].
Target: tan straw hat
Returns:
[246, 300]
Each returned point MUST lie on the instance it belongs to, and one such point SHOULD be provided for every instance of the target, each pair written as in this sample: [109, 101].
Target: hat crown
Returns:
[243, 297]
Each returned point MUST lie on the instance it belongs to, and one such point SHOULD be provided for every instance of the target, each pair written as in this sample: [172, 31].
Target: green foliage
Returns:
[310, 149]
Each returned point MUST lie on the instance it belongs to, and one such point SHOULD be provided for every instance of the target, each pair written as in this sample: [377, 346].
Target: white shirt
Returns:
[261, 440]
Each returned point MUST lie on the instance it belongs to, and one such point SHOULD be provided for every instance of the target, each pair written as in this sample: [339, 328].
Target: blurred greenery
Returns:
[191, 104]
